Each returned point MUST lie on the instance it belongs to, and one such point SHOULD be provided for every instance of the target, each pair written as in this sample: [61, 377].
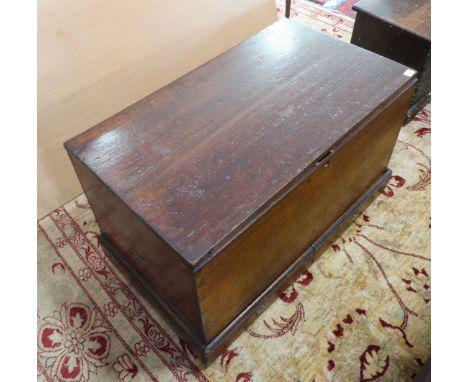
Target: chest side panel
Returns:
[149, 258]
[248, 264]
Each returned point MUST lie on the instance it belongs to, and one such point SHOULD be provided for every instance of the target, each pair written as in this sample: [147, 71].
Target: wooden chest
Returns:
[399, 30]
[217, 188]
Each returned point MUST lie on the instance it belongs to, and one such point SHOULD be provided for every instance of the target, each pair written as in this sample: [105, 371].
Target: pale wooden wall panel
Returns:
[96, 57]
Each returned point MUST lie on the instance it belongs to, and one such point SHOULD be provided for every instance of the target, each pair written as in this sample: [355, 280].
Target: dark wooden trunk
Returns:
[217, 189]
[400, 31]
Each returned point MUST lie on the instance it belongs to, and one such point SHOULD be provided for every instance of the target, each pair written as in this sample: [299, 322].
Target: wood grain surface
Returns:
[258, 256]
[143, 252]
[96, 57]
[198, 159]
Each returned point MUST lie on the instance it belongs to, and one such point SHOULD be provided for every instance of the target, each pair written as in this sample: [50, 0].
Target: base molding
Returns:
[210, 350]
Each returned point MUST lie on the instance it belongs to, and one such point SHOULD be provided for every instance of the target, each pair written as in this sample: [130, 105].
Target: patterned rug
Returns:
[343, 6]
[360, 313]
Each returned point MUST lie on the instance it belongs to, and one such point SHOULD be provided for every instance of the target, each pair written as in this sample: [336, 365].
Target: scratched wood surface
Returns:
[258, 256]
[200, 157]
[218, 182]
[96, 57]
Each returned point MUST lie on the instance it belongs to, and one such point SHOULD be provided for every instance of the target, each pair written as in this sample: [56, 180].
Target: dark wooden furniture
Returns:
[424, 373]
[217, 188]
[399, 30]
[287, 8]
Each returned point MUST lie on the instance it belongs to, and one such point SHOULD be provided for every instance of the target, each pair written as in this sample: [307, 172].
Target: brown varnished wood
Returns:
[143, 251]
[264, 299]
[210, 350]
[412, 16]
[198, 158]
[212, 188]
[256, 257]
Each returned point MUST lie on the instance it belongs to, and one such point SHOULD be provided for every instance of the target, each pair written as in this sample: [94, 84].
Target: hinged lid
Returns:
[202, 156]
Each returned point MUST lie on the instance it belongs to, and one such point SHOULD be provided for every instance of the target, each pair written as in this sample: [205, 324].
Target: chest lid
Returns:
[198, 159]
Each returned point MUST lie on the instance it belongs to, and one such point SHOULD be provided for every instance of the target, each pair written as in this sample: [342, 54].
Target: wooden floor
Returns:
[95, 58]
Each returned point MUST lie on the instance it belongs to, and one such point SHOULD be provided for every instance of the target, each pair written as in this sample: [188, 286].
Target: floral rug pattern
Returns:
[360, 313]
[342, 6]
